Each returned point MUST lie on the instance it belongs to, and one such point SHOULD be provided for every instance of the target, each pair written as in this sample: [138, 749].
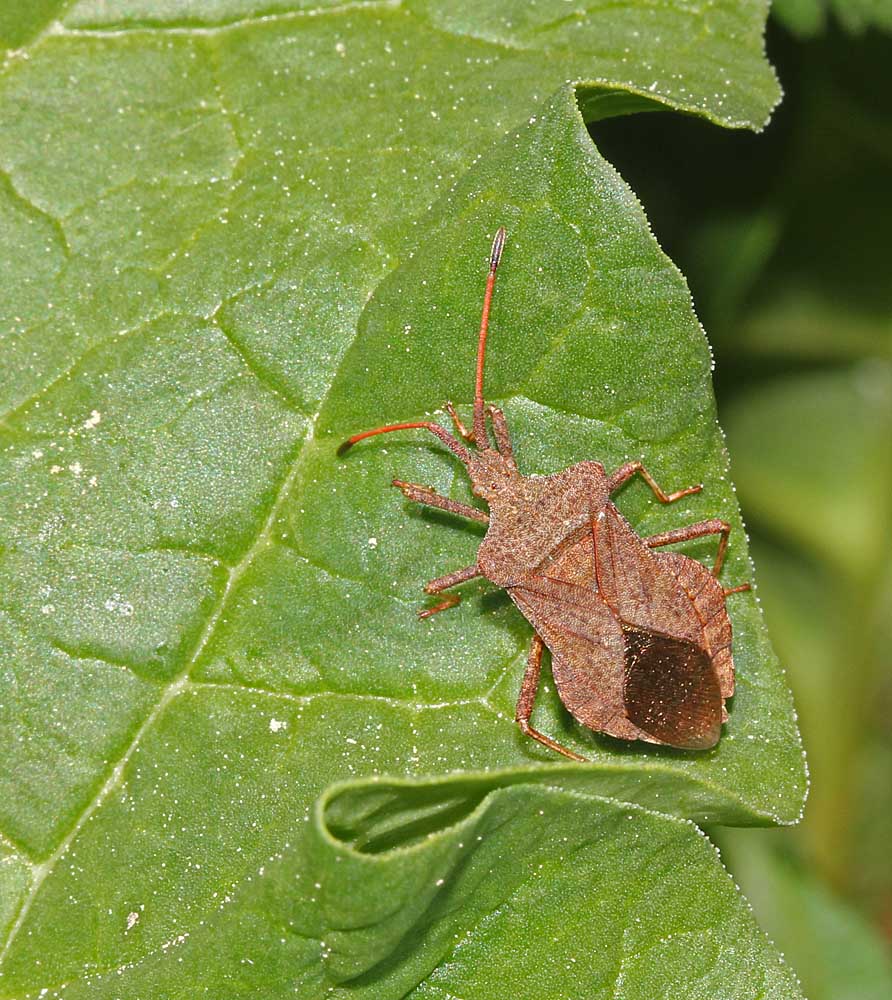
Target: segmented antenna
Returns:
[479, 432]
[498, 244]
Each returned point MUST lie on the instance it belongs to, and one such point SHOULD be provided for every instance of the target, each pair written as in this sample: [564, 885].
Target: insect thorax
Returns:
[535, 515]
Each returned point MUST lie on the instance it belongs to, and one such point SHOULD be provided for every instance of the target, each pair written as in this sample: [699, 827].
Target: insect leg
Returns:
[427, 496]
[714, 526]
[460, 428]
[443, 583]
[527, 697]
[500, 430]
[625, 472]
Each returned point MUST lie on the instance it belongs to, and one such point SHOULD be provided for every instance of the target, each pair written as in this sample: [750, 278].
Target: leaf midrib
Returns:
[170, 691]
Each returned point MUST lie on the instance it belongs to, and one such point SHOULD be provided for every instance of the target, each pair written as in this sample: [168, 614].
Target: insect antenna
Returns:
[479, 433]
[444, 435]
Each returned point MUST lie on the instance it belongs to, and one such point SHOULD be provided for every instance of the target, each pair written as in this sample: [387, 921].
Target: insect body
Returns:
[640, 640]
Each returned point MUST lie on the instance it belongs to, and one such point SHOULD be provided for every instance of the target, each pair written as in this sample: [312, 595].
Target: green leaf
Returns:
[500, 901]
[240, 235]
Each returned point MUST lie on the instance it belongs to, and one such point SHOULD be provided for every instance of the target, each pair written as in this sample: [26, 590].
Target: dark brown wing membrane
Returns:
[671, 690]
[708, 599]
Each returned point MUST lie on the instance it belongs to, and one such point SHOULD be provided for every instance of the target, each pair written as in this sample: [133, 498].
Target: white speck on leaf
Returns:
[117, 604]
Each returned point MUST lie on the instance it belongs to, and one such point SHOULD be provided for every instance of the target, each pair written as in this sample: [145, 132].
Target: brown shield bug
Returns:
[640, 640]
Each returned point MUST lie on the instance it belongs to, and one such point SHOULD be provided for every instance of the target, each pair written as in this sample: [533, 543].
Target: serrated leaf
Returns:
[530, 888]
[226, 258]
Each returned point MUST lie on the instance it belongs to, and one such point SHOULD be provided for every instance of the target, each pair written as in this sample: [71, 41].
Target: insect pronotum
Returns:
[640, 640]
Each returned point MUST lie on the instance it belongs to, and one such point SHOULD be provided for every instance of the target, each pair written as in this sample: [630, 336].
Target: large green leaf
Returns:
[238, 235]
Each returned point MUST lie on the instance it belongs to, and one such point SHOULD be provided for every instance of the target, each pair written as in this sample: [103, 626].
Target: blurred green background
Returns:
[784, 238]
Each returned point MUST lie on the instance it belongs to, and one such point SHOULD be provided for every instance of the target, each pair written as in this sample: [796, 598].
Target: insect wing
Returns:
[707, 596]
[639, 589]
[587, 651]
[671, 690]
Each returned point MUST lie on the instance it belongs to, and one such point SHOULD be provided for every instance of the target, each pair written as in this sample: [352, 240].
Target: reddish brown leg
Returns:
[502, 435]
[460, 428]
[425, 495]
[527, 697]
[625, 472]
[443, 583]
[712, 527]
[738, 589]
